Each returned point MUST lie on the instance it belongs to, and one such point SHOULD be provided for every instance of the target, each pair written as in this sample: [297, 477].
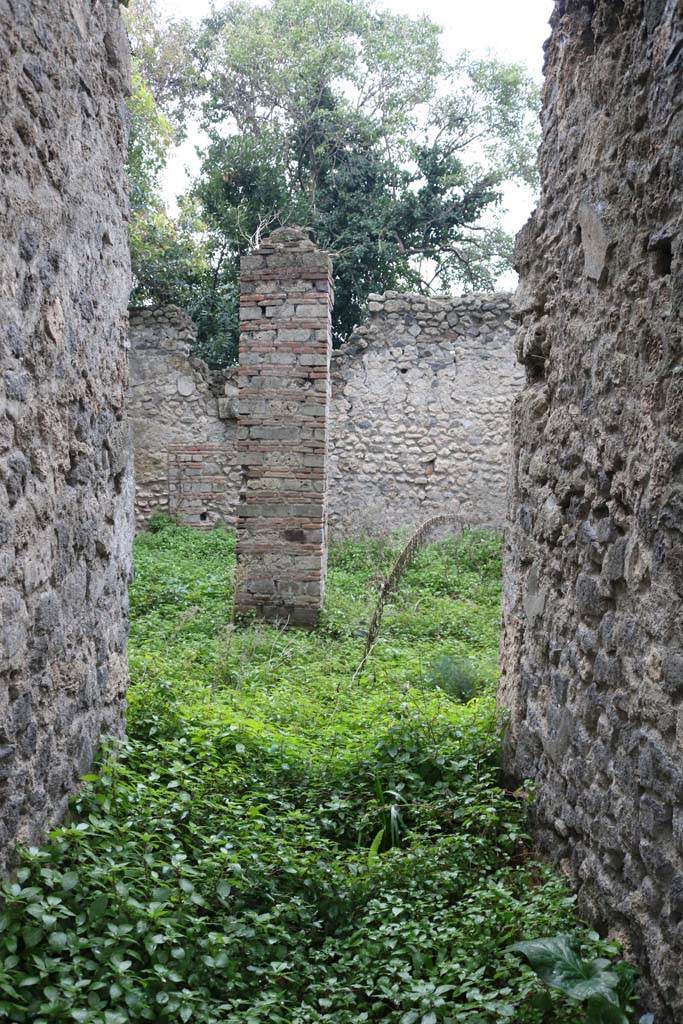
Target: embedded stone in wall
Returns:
[184, 422]
[284, 399]
[593, 605]
[65, 480]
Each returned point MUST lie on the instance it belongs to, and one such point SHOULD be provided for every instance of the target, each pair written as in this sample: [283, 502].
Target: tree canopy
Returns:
[335, 115]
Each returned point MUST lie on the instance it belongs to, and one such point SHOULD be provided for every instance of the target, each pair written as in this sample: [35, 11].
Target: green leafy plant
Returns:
[594, 982]
[275, 845]
[393, 578]
[393, 824]
[457, 677]
[159, 521]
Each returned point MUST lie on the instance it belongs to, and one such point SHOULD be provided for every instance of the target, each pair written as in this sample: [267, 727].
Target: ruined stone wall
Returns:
[65, 485]
[419, 425]
[286, 299]
[419, 420]
[593, 645]
[184, 423]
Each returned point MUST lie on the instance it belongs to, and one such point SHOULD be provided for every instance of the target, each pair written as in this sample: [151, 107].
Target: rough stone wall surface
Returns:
[65, 484]
[184, 424]
[419, 425]
[284, 401]
[419, 420]
[593, 644]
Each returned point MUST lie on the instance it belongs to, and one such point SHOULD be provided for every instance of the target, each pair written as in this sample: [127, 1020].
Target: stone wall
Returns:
[420, 413]
[419, 421]
[184, 424]
[65, 485]
[286, 299]
[593, 645]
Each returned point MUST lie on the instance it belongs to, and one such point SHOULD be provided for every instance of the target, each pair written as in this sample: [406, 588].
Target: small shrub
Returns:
[159, 521]
[456, 677]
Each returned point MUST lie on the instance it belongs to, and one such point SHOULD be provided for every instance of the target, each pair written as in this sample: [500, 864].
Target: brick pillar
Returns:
[284, 400]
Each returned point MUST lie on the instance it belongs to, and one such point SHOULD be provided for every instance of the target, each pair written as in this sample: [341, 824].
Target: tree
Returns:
[331, 114]
[163, 56]
[166, 255]
[170, 257]
[149, 139]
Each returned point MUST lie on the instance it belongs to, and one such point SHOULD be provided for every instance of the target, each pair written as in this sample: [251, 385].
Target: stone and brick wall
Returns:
[65, 484]
[593, 645]
[184, 423]
[419, 421]
[284, 402]
[419, 425]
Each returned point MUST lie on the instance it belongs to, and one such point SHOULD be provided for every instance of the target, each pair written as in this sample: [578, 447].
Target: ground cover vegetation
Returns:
[284, 838]
[331, 114]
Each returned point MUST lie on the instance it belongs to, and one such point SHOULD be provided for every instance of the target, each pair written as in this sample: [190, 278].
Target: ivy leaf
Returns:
[98, 907]
[32, 936]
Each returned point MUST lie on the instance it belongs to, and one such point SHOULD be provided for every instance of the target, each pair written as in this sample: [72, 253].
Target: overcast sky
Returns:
[513, 29]
[510, 29]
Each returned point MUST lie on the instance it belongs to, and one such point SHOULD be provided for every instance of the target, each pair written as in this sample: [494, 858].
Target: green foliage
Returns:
[599, 983]
[349, 120]
[169, 261]
[160, 521]
[280, 842]
[149, 137]
[163, 54]
[173, 260]
[457, 677]
[335, 115]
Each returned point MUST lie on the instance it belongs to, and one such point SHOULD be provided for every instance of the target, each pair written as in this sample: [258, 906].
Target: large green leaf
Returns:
[558, 965]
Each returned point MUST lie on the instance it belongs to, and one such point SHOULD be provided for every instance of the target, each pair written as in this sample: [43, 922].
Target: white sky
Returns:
[513, 30]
